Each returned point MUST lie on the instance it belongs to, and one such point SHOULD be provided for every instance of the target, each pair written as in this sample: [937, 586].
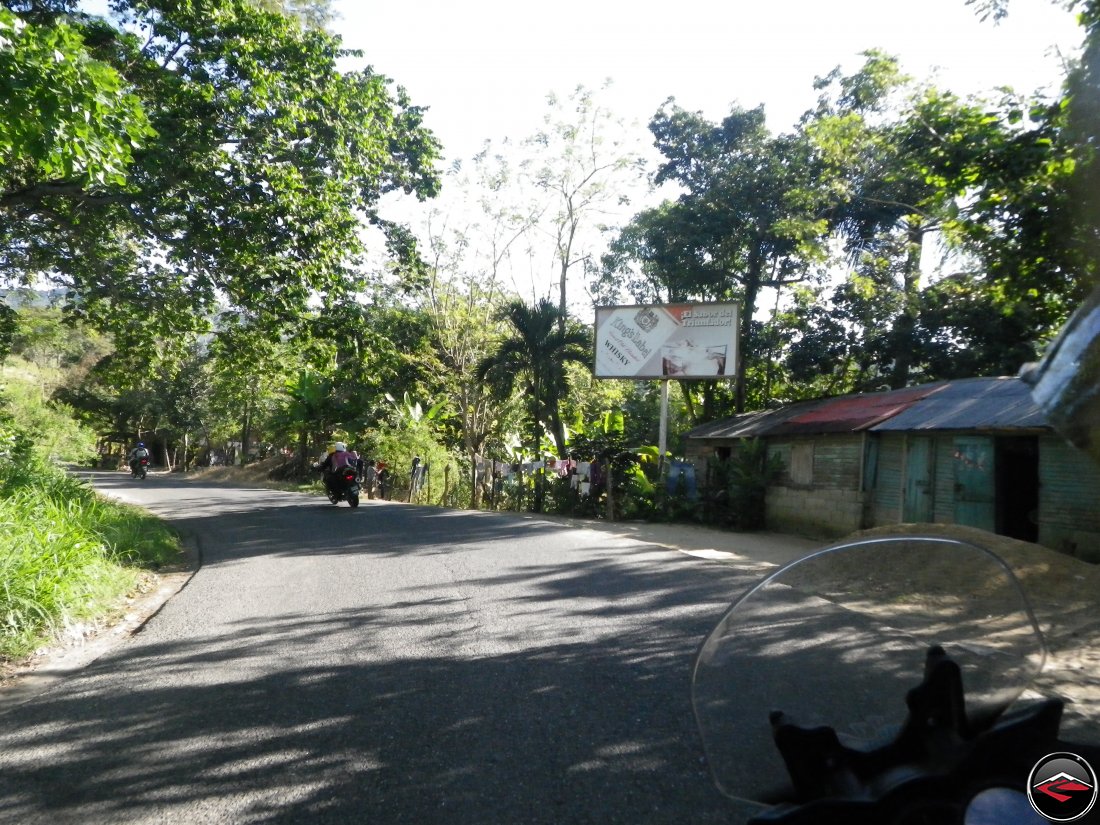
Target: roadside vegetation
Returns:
[898, 233]
[68, 557]
[198, 249]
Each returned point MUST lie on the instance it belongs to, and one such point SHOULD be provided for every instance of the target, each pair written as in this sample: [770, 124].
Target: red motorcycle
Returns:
[139, 467]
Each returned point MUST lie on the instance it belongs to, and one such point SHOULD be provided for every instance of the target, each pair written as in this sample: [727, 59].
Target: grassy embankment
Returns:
[68, 558]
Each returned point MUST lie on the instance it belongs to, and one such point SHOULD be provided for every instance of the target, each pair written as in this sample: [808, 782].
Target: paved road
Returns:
[387, 664]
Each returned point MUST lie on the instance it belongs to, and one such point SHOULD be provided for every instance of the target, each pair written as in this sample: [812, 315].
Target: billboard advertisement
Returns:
[667, 341]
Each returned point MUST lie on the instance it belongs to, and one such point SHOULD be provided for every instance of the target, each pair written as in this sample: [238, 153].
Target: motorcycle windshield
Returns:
[840, 637]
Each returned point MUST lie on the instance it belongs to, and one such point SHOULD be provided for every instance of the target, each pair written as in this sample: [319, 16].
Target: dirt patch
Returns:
[274, 473]
[1064, 593]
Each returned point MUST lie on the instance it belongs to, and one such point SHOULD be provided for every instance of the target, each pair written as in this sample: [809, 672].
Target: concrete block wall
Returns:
[1069, 500]
[814, 512]
[831, 504]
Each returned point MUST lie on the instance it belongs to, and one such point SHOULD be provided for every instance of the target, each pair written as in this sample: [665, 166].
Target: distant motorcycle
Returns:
[342, 485]
[139, 468]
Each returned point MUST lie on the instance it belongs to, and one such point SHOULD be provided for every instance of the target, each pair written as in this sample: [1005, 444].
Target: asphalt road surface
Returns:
[387, 664]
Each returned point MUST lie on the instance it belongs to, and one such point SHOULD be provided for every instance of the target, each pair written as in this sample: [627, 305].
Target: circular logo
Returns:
[1062, 787]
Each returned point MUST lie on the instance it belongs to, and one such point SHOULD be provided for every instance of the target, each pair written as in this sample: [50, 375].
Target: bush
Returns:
[50, 426]
[741, 484]
[639, 495]
[66, 555]
[397, 446]
[677, 505]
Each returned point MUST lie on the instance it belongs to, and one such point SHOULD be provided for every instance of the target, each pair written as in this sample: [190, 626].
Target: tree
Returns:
[885, 203]
[248, 374]
[1082, 101]
[988, 179]
[69, 123]
[42, 337]
[266, 160]
[751, 217]
[464, 324]
[536, 351]
[837, 340]
[584, 166]
[316, 14]
[472, 240]
[9, 325]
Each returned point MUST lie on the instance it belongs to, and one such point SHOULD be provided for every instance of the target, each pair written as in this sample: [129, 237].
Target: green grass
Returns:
[25, 389]
[67, 555]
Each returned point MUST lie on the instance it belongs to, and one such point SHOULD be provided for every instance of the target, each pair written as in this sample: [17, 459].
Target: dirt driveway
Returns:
[1064, 592]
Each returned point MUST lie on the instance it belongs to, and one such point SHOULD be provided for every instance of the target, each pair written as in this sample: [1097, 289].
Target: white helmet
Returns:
[341, 447]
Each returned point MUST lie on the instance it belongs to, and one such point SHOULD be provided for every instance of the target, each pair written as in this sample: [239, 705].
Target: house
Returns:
[977, 452]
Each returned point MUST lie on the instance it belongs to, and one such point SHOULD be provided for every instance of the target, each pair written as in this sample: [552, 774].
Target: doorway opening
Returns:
[1017, 468]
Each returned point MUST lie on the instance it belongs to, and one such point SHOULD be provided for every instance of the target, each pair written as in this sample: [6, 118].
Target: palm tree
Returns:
[536, 353]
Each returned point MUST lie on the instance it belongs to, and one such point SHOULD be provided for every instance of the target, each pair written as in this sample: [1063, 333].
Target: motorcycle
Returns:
[139, 467]
[872, 682]
[342, 485]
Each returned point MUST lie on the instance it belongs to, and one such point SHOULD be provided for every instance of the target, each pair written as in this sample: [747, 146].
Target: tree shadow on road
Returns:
[592, 732]
[561, 694]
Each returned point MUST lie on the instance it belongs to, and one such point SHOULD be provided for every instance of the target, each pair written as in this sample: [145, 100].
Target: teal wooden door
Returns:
[918, 480]
[975, 490]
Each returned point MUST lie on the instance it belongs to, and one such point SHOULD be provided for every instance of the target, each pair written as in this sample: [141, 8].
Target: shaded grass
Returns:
[67, 556]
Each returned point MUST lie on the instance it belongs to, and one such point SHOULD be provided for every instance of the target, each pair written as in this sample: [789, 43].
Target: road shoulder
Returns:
[82, 644]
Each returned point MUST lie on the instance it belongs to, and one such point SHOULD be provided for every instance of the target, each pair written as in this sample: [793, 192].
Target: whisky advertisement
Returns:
[680, 341]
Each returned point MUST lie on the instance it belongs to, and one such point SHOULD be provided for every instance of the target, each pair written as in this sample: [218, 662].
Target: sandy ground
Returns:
[1064, 594]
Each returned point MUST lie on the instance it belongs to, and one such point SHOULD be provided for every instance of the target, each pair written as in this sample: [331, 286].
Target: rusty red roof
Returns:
[853, 413]
[964, 404]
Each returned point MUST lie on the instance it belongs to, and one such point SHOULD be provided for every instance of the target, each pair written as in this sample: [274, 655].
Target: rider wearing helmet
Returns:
[139, 452]
[337, 459]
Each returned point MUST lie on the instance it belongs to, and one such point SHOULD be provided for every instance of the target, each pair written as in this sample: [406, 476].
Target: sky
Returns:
[484, 67]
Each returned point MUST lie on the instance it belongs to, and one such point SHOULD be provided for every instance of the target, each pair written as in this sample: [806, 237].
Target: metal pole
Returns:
[662, 438]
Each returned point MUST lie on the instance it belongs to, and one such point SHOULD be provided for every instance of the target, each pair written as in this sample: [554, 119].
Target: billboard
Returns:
[667, 341]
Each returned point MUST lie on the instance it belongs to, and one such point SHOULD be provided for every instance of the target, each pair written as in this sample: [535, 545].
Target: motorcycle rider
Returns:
[139, 452]
[339, 458]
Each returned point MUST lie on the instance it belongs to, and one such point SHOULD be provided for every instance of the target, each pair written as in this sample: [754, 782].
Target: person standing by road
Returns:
[383, 481]
[370, 477]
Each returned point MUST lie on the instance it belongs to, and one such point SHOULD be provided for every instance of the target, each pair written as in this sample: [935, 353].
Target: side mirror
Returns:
[1066, 382]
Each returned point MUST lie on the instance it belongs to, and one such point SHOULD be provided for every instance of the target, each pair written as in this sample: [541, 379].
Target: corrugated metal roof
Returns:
[967, 404]
[751, 424]
[971, 404]
[853, 413]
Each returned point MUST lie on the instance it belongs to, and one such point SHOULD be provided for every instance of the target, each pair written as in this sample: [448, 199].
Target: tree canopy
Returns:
[749, 217]
[226, 162]
[206, 183]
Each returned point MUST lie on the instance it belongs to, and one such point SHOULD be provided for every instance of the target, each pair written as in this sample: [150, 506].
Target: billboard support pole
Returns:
[662, 437]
